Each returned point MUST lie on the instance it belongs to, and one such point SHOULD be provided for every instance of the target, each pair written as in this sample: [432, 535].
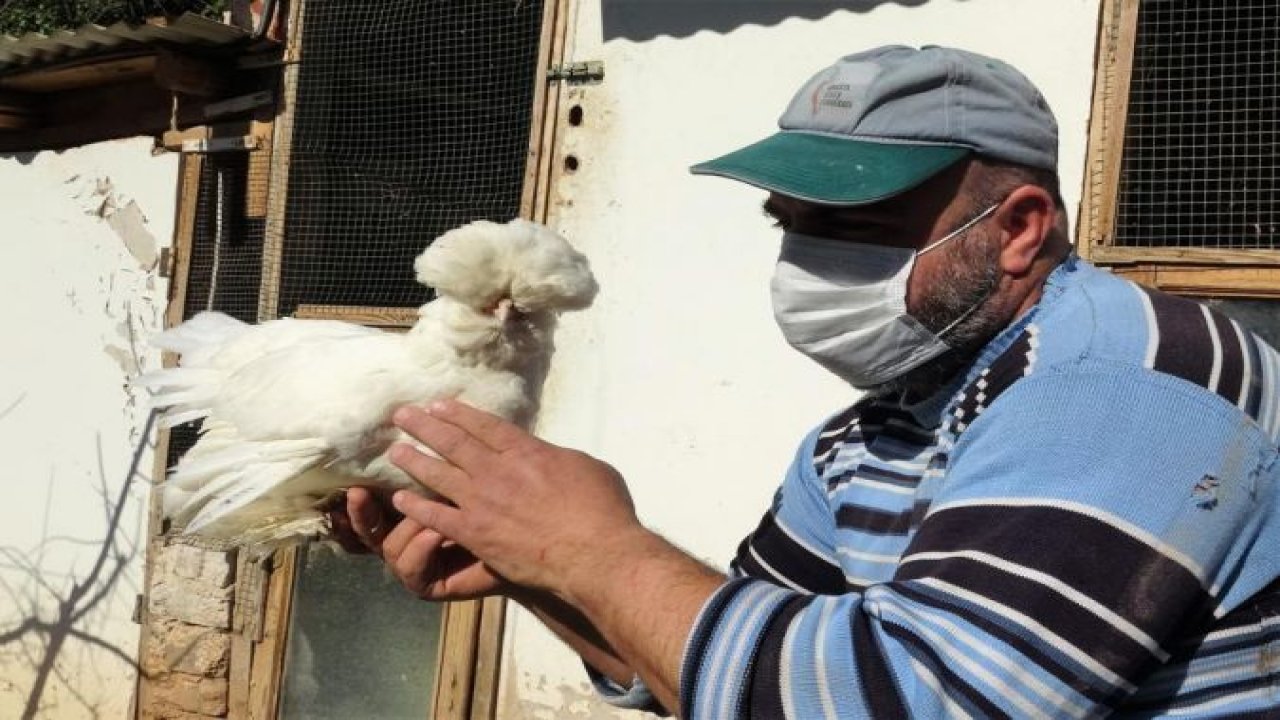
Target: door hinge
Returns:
[578, 73]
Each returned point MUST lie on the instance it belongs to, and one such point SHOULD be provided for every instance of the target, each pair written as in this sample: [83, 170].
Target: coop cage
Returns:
[1184, 158]
[412, 118]
[224, 263]
[396, 121]
[1202, 136]
[1182, 161]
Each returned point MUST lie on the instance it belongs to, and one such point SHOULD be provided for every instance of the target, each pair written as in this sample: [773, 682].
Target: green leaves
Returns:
[18, 17]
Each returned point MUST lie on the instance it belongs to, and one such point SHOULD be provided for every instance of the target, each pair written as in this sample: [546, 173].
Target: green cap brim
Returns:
[833, 170]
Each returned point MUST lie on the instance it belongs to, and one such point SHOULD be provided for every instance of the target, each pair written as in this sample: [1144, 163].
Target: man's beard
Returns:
[968, 285]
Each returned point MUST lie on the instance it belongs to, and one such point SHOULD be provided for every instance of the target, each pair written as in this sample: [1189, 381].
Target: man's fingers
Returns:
[432, 473]
[450, 441]
[366, 517]
[486, 427]
[433, 514]
[394, 544]
[413, 564]
[343, 533]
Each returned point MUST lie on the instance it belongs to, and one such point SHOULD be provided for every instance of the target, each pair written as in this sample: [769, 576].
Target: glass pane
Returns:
[360, 645]
[1260, 316]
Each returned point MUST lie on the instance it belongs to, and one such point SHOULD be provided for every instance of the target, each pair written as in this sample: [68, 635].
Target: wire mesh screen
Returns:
[412, 117]
[1202, 144]
[226, 252]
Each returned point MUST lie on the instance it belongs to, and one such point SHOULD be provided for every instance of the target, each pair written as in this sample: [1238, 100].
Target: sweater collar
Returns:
[928, 411]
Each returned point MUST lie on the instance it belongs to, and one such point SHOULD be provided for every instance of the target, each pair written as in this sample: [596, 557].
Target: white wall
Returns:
[678, 375]
[80, 233]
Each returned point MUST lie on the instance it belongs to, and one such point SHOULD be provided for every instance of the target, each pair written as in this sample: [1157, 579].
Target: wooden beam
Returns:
[181, 73]
[1117, 35]
[191, 138]
[239, 104]
[240, 663]
[542, 112]
[269, 654]
[544, 179]
[257, 184]
[183, 238]
[83, 73]
[19, 110]
[1110, 255]
[1207, 281]
[108, 112]
[282, 148]
[385, 317]
[457, 660]
[269, 58]
[488, 662]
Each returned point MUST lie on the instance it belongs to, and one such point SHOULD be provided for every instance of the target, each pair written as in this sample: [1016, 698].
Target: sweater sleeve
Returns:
[1087, 519]
[794, 546]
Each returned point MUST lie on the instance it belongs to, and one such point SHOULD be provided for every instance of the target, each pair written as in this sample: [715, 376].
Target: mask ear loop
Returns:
[958, 231]
[972, 308]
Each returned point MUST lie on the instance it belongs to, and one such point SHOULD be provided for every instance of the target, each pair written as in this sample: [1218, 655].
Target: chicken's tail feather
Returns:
[208, 486]
[171, 419]
[213, 488]
[175, 377]
[207, 329]
[185, 393]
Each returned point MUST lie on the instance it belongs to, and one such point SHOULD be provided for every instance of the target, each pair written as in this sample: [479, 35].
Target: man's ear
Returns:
[1026, 219]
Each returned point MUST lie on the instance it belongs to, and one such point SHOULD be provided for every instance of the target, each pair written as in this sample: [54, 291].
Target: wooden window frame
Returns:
[1240, 273]
[466, 682]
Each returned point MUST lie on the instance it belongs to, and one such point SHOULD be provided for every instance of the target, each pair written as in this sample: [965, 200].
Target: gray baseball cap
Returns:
[880, 122]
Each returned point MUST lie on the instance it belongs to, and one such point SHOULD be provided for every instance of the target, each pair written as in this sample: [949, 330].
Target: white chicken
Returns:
[296, 410]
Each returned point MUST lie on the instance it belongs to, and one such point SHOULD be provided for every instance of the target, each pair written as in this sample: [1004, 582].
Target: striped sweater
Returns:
[1085, 525]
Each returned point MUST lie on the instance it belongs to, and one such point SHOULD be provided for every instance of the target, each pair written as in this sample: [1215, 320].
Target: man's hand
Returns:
[425, 563]
[436, 569]
[562, 522]
[539, 515]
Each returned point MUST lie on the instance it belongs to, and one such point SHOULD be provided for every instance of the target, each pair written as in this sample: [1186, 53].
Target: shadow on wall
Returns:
[647, 19]
[23, 157]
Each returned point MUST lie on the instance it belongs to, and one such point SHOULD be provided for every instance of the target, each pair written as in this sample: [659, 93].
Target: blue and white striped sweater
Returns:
[1088, 526]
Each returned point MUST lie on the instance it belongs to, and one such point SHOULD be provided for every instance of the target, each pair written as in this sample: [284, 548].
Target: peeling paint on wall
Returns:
[98, 196]
[130, 224]
[78, 265]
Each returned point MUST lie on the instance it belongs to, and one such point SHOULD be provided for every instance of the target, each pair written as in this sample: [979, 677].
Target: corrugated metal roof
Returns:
[191, 31]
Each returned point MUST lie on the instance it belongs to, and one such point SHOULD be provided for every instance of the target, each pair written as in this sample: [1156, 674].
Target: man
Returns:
[1058, 497]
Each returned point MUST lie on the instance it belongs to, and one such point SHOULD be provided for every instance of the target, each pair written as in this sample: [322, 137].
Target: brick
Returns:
[166, 712]
[216, 568]
[175, 646]
[190, 601]
[187, 693]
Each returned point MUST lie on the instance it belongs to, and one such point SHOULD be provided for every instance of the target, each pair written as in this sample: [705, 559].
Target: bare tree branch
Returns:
[34, 573]
[109, 647]
[90, 706]
[10, 407]
[27, 625]
[104, 589]
[103, 491]
[84, 595]
[44, 519]
[64, 539]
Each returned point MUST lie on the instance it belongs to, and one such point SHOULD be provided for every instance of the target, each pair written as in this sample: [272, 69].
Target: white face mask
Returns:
[844, 305]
